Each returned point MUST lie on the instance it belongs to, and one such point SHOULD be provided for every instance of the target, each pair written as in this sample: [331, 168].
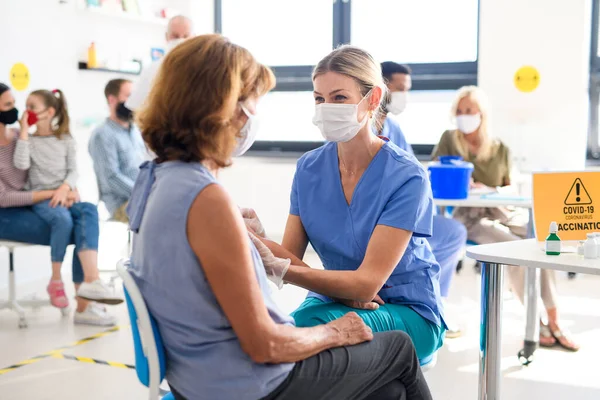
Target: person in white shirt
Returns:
[179, 29]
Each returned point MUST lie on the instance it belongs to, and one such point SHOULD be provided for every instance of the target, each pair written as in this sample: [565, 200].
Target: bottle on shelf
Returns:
[590, 248]
[92, 61]
[553, 241]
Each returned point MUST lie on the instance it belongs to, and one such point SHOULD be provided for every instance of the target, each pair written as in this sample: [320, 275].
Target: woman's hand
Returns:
[371, 305]
[252, 222]
[352, 329]
[60, 197]
[24, 134]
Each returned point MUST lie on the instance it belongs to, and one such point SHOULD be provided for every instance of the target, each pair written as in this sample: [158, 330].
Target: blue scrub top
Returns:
[394, 191]
[391, 130]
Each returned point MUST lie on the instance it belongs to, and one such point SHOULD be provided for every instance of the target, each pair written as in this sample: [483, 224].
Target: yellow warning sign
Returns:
[578, 195]
[572, 199]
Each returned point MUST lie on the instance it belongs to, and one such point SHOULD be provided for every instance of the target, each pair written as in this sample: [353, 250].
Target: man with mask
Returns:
[117, 150]
[449, 236]
[179, 29]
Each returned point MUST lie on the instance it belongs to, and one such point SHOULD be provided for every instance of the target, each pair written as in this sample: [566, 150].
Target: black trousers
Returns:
[385, 368]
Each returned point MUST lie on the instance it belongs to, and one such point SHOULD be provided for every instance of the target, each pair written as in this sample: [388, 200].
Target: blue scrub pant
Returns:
[447, 242]
[426, 336]
[21, 224]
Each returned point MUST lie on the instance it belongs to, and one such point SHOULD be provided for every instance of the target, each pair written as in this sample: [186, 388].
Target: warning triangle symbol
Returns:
[578, 195]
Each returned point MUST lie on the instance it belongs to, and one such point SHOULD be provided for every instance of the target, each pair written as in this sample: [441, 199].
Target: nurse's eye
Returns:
[319, 100]
[340, 98]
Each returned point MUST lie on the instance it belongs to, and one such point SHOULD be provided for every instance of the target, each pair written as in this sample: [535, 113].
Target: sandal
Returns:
[563, 339]
[546, 337]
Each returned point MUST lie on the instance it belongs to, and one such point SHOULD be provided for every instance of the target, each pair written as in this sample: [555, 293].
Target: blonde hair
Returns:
[357, 64]
[190, 113]
[488, 144]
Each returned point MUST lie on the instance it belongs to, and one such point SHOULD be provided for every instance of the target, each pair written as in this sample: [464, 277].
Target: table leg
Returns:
[490, 331]
[532, 327]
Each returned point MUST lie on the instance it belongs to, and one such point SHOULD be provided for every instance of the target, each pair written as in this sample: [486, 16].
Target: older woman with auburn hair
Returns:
[201, 275]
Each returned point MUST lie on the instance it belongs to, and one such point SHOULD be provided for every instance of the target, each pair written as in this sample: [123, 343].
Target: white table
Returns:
[493, 257]
[487, 202]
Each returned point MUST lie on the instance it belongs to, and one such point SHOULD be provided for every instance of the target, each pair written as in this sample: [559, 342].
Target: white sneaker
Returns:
[95, 315]
[98, 291]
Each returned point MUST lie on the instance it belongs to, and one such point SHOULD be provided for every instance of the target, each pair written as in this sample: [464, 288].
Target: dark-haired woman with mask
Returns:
[18, 221]
[202, 278]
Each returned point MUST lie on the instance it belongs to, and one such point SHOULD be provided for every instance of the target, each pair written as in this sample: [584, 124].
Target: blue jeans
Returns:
[447, 241]
[81, 221]
[21, 224]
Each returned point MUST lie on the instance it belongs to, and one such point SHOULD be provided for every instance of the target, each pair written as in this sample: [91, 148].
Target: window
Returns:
[288, 117]
[280, 33]
[291, 36]
[409, 32]
[427, 116]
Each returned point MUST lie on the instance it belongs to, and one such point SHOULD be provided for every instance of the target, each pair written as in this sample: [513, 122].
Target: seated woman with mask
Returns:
[366, 208]
[201, 276]
[492, 161]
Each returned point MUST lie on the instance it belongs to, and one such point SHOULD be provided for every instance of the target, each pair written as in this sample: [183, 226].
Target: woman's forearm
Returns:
[281, 252]
[291, 344]
[350, 285]
[42, 195]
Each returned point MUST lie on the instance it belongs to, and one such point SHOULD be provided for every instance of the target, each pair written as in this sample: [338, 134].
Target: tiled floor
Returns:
[554, 375]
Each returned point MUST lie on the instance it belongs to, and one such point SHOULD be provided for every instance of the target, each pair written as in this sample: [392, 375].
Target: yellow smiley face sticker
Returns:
[19, 76]
[527, 79]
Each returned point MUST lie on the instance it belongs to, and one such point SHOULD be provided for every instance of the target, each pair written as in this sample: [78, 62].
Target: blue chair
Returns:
[150, 363]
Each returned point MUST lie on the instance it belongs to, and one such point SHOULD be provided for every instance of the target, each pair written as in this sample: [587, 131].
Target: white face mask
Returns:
[398, 102]
[338, 122]
[171, 44]
[247, 134]
[468, 124]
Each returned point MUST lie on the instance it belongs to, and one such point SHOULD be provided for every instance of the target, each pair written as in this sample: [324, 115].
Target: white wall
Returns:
[545, 129]
[552, 35]
[50, 38]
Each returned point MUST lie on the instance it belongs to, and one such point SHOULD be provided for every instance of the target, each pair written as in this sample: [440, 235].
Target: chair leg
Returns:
[12, 303]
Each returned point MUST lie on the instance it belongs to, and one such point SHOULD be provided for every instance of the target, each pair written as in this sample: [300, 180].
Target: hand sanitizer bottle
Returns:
[553, 241]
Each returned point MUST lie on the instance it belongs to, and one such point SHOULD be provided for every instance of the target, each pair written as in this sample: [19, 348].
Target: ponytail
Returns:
[56, 99]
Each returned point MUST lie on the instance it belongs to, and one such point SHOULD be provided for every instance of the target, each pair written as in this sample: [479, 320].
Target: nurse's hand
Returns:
[252, 222]
[372, 305]
[275, 267]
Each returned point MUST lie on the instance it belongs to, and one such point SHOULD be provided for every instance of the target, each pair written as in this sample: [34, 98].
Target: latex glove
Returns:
[275, 267]
[252, 222]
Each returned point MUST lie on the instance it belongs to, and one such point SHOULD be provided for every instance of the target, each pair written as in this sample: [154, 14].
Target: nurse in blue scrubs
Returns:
[366, 207]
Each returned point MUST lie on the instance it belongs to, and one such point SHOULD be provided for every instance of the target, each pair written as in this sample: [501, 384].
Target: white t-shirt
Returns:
[141, 89]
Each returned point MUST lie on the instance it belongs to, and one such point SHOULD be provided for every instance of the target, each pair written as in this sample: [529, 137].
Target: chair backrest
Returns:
[149, 350]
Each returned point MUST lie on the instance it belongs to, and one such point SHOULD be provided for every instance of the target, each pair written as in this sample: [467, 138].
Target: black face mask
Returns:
[124, 113]
[9, 117]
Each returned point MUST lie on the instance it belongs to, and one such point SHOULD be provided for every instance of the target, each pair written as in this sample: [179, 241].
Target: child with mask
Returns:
[50, 157]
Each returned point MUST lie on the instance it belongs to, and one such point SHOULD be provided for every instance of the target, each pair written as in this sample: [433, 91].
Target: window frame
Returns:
[425, 76]
[593, 147]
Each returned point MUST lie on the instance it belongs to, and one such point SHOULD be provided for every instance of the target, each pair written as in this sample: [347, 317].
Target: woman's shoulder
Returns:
[316, 157]
[401, 163]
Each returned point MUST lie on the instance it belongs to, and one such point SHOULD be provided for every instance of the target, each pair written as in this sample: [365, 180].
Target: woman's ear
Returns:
[375, 99]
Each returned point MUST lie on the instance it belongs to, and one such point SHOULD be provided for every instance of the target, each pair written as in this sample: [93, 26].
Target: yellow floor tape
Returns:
[61, 349]
[92, 361]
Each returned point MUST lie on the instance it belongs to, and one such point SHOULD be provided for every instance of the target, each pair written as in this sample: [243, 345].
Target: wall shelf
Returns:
[124, 15]
[84, 67]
